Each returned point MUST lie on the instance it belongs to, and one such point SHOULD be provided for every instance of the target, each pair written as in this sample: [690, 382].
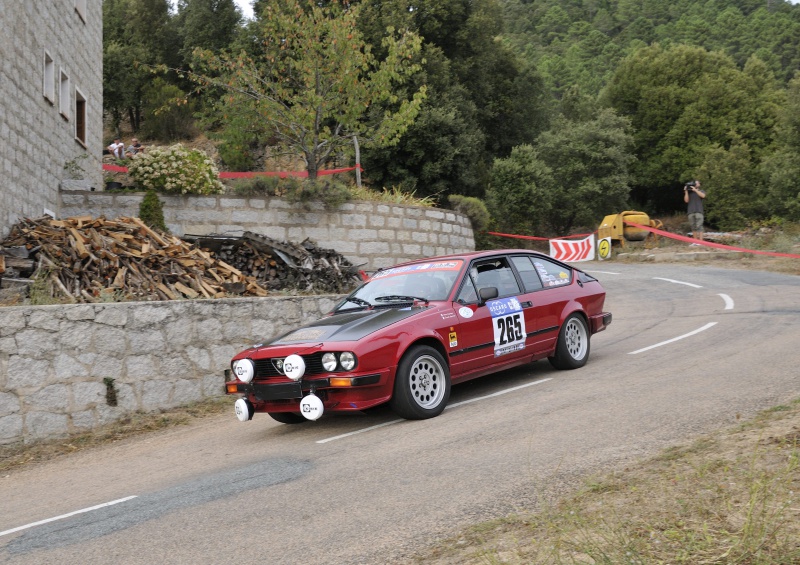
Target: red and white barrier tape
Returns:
[710, 243]
[227, 175]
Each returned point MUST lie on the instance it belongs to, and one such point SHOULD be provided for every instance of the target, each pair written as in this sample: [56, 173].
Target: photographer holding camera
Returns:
[693, 196]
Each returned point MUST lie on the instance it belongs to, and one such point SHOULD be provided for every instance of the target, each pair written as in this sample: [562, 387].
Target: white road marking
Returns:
[728, 301]
[48, 520]
[678, 282]
[499, 393]
[697, 331]
[601, 272]
[361, 431]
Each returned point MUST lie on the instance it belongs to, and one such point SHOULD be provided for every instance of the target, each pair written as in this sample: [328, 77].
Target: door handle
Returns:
[526, 304]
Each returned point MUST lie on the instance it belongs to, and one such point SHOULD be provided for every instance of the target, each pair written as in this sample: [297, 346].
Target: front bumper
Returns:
[338, 393]
[265, 392]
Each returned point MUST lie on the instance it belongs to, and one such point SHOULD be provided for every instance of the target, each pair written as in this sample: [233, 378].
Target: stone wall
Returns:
[370, 233]
[36, 137]
[56, 361]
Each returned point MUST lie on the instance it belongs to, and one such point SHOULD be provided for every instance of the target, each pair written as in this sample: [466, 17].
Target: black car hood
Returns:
[347, 327]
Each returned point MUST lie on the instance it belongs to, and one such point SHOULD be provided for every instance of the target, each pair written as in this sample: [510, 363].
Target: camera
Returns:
[690, 184]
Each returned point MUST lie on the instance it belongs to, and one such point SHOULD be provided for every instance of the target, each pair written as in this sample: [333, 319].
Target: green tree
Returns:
[682, 101]
[781, 169]
[591, 161]
[207, 24]
[135, 33]
[521, 193]
[577, 172]
[482, 101]
[314, 83]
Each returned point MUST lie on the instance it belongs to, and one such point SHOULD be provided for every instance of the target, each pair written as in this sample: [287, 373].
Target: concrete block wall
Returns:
[370, 233]
[54, 359]
[36, 139]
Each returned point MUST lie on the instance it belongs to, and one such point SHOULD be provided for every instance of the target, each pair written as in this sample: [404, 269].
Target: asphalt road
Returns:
[678, 360]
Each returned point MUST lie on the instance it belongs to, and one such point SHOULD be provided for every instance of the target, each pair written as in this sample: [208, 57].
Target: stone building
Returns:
[51, 104]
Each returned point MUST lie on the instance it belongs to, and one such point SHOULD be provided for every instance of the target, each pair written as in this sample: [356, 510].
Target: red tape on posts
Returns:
[281, 174]
[538, 238]
[710, 243]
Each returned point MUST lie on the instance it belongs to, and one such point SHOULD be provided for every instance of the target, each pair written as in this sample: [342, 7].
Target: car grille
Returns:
[265, 368]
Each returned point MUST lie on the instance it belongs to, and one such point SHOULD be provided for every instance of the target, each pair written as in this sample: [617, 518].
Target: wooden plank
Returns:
[191, 293]
[165, 289]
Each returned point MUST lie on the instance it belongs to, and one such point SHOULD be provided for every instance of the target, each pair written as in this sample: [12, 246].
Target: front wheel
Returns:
[287, 417]
[422, 384]
[572, 349]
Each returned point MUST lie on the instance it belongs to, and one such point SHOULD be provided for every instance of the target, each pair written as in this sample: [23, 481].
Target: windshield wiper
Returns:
[359, 301]
[400, 298]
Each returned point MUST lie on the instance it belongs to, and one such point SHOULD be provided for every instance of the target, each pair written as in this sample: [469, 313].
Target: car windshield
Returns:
[421, 281]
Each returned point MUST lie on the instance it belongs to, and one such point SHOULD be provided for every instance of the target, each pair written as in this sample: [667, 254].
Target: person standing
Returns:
[694, 197]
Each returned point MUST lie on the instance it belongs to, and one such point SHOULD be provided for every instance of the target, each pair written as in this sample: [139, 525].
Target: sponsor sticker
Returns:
[419, 267]
[508, 324]
[453, 338]
[465, 312]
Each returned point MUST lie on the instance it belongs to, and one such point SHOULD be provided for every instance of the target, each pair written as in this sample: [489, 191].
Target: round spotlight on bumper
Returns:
[244, 370]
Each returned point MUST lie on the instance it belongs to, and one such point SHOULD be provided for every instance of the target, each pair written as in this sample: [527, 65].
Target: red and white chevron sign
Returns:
[569, 250]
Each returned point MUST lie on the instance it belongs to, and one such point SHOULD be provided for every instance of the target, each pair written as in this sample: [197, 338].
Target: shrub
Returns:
[331, 193]
[175, 170]
[478, 214]
[260, 185]
[151, 211]
[473, 208]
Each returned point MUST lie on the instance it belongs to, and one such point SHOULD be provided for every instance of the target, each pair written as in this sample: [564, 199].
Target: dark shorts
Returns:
[696, 221]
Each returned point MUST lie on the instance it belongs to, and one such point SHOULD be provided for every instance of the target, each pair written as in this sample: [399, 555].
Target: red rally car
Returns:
[411, 331]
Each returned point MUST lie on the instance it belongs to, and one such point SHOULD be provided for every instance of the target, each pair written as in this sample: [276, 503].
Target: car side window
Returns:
[527, 272]
[552, 274]
[497, 273]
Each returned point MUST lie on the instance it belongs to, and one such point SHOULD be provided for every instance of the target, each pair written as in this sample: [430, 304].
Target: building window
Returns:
[80, 117]
[64, 95]
[49, 85]
[80, 7]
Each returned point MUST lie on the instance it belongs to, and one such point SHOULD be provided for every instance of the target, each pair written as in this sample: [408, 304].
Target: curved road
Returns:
[690, 350]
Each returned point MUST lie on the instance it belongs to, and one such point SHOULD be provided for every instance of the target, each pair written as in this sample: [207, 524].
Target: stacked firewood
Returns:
[279, 265]
[82, 259]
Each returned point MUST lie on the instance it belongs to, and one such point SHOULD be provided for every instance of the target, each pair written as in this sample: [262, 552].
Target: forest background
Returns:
[533, 116]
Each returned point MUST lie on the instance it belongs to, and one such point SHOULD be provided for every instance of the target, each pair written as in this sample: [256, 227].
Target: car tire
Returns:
[421, 385]
[572, 349]
[287, 417]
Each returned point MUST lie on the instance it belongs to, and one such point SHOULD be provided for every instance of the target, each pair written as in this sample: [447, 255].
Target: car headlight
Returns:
[329, 362]
[347, 360]
[244, 370]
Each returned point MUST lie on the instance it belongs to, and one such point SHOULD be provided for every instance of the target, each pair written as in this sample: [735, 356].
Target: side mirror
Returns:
[487, 293]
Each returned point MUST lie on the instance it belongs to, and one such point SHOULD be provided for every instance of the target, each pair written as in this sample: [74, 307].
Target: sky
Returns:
[246, 6]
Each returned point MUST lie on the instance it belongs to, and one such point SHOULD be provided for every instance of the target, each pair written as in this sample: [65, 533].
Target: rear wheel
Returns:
[287, 417]
[572, 349]
[422, 384]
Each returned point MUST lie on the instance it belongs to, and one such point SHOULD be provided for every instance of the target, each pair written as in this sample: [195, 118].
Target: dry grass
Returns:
[17, 455]
[731, 497]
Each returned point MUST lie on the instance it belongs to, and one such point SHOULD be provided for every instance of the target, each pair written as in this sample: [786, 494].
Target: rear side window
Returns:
[527, 272]
[552, 274]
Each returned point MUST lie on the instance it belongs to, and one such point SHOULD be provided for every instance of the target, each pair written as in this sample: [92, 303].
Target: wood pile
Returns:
[82, 259]
[278, 265]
